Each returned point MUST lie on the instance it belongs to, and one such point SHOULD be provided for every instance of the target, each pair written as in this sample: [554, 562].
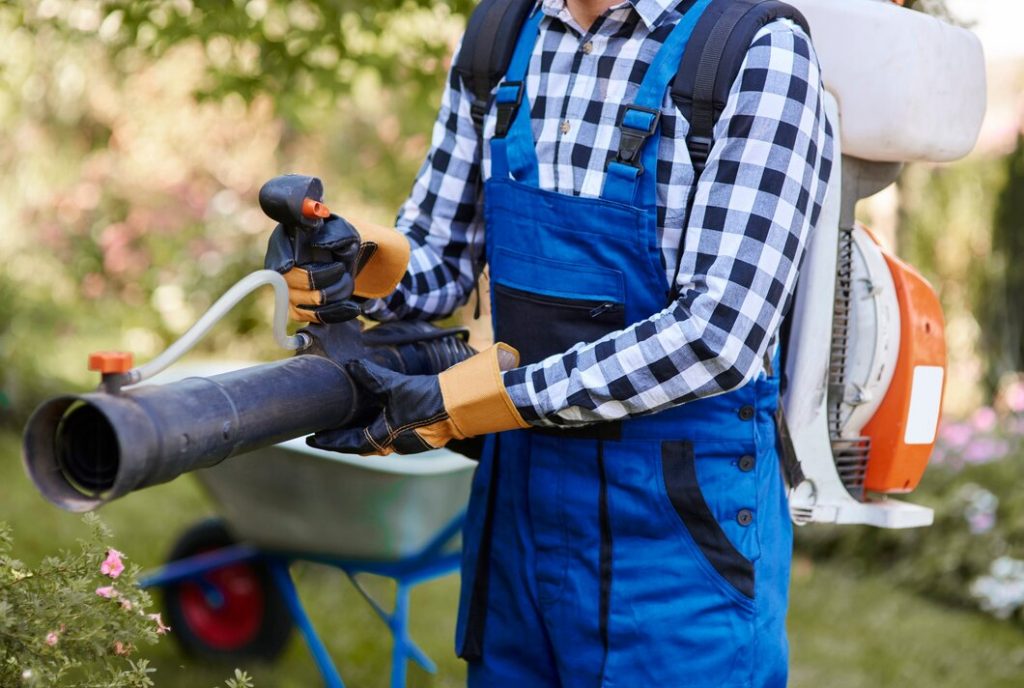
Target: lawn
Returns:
[846, 631]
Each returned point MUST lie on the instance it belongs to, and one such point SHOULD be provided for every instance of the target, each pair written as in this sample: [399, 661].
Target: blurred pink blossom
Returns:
[106, 591]
[981, 522]
[984, 450]
[122, 649]
[93, 285]
[1014, 396]
[984, 419]
[51, 638]
[112, 566]
[955, 434]
[126, 604]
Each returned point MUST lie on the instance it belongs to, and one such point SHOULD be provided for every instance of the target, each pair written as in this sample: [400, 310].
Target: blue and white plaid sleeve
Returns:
[442, 218]
[755, 205]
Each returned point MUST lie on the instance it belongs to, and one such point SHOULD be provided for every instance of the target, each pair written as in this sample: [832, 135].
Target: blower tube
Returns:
[84, 450]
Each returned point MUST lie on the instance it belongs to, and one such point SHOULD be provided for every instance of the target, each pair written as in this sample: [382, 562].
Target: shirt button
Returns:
[745, 517]
[588, 48]
[565, 127]
[746, 463]
[746, 412]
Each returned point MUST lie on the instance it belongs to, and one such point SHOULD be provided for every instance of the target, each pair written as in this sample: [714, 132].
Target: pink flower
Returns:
[1014, 396]
[985, 450]
[160, 628]
[112, 566]
[106, 591]
[955, 434]
[984, 419]
[51, 638]
[126, 604]
[122, 649]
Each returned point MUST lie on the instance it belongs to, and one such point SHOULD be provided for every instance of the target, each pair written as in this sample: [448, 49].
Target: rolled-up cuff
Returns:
[474, 394]
[386, 252]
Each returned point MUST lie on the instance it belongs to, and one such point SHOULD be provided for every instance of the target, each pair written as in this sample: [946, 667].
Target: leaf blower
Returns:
[83, 450]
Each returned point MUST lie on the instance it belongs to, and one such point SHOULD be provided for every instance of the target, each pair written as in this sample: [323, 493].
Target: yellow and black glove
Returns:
[366, 261]
[423, 412]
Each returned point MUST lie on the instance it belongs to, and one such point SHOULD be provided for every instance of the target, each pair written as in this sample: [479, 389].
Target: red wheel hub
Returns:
[226, 610]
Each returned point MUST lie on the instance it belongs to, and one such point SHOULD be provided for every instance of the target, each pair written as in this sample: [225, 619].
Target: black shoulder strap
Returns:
[712, 60]
[487, 48]
[707, 70]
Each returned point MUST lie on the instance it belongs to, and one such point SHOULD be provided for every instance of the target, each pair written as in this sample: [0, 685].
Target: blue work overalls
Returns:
[650, 552]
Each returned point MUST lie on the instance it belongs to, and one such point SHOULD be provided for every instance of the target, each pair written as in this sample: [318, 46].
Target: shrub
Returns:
[77, 619]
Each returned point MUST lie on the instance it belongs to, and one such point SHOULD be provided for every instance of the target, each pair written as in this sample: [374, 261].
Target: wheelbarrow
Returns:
[227, 585]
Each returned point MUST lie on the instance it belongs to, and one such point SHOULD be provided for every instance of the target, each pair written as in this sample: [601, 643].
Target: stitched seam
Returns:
[369, 437]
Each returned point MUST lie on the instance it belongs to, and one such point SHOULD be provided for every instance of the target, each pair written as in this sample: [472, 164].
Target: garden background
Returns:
[135, 136]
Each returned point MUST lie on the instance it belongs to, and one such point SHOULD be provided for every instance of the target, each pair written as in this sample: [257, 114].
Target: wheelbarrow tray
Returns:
[293, 498]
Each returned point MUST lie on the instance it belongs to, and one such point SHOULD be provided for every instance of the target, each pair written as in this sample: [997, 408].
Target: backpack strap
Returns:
[487, 47]
[709, 67]
[712, 62]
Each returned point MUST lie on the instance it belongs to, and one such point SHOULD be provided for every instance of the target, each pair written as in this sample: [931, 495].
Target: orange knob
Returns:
[110, 361]
[311, 209]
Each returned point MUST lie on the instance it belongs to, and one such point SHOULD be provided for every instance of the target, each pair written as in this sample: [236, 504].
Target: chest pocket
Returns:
[545, 306]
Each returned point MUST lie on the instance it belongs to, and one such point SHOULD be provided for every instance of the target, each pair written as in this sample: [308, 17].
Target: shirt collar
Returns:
[651, 12]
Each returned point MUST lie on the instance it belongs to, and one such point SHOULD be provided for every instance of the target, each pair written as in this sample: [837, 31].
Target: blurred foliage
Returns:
[138, 134]
[999, 311]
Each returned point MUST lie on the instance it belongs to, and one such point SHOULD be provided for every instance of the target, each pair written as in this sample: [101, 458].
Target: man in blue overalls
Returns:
[631, 528]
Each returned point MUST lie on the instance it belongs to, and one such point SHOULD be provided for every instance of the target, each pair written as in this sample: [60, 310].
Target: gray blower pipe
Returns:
[84, 450]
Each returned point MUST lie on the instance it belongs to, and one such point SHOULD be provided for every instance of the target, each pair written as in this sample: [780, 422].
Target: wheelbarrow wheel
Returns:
[233, 612]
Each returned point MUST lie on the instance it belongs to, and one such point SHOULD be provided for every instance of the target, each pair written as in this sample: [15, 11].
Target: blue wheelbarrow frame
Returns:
[434, 560]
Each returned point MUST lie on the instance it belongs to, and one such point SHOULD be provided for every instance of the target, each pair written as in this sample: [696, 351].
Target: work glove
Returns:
[356, 261]
[422, 412]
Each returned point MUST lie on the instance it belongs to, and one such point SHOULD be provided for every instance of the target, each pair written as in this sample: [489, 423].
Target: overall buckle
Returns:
[636, 125]
[508, 99]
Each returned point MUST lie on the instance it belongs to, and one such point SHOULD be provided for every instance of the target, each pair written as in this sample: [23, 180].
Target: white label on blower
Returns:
[925, 404]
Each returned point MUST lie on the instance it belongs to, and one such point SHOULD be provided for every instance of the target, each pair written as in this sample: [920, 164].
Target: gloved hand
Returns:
[423, 412]
[356, 261]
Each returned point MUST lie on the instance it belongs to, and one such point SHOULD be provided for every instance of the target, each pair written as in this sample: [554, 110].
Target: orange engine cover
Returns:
[902, 431]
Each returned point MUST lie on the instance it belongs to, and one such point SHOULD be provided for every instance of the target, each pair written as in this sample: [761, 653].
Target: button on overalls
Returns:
[650, 552]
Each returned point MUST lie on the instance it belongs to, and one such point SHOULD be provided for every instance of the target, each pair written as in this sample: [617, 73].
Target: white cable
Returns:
[216, 312]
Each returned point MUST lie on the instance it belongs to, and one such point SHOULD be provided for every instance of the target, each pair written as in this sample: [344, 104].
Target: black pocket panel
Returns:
[540, 326]
[684, 492]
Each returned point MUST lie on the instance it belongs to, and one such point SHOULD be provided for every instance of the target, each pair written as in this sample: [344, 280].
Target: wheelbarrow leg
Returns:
[284, 582]
[404, 648]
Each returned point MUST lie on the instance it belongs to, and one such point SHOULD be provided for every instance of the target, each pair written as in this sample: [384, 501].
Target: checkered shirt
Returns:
[755, 203]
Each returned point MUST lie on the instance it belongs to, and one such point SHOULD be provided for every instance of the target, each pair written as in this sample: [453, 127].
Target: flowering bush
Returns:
[973, 555]
[77, 619]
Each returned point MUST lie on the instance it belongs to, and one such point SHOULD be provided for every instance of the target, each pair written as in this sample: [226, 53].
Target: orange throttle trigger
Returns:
[110, 362]
[312, 209]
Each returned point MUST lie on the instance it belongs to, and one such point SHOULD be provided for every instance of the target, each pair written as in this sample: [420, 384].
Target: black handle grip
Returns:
[283, 199]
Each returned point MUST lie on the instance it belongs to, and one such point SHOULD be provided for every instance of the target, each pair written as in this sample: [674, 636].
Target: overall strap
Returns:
[639, 121]
[513, 152]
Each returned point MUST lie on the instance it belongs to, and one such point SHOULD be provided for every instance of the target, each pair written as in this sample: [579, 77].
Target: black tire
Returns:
[248, 617]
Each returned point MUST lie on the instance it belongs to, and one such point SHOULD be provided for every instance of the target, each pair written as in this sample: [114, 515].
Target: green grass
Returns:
[846, 632]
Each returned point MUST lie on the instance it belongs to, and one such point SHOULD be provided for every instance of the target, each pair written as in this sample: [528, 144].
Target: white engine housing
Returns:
[909, 86]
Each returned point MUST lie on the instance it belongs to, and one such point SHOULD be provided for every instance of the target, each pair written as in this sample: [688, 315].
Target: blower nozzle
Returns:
[84, 450]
